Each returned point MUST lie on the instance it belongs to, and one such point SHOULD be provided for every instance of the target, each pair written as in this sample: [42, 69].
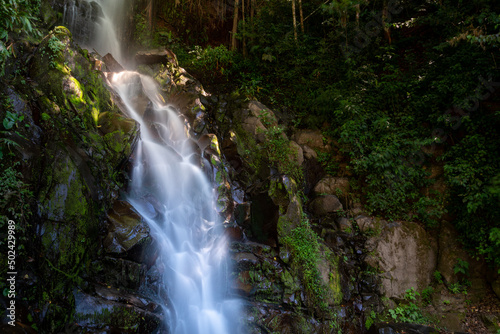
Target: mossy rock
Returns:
[96, 314]
[76, 170]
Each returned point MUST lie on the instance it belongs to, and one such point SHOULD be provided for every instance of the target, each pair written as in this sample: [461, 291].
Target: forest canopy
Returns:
[406, 89]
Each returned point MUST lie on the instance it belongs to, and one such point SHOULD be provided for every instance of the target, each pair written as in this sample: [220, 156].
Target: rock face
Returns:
[333, 186]
[405, 255]
[77, 145]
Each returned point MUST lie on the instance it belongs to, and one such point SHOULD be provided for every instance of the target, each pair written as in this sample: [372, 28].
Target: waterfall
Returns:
[174, 196]
[93, 24]
[168, 189]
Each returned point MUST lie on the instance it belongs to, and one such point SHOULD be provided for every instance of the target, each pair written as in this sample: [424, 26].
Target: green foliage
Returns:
[11, 119]
[15, 202]
[56, 47]
[408, 311]
[304, 245]
[461, 267]
[438, 277]
[279, 152]
[426, 295]
[213, 64]
[16, 16]
[11, 123]
[459, 287]
[370, 319]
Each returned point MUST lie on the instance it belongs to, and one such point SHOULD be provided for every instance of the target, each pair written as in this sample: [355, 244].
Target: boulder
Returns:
[450, 252]
[344, 224]
[128, 235]
[405, 255]
[155, 56]
[330, 185]
[312, 138]
[94, 313]
[112, 65]
[309, 153]
[324, 205]
[296, 153]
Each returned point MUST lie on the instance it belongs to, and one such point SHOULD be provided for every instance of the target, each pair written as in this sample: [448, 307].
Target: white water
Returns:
[172, 194]
[175, 198]
[94, 23]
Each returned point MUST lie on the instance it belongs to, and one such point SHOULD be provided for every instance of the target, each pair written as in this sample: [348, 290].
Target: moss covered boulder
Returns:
[78, 146]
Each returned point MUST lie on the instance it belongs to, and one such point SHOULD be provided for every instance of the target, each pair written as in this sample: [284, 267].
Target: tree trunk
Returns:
[301, 16]
[235, 25]
[385, 14]
[294, 21]
[150, 10]
[358, 10]
[252, 14]
[244, 27]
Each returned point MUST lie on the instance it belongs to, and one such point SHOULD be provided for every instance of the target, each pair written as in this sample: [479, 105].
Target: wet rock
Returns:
[112, 65]
[491, 322]
[451, 252]
[284, 255]
[370, 224]
[291, 219]
[21, 108]
[98, 314]
[245, 261]
[357, 209]
[324, 205]
[242, 215]
[126, 297]
[234, 233]
[128, 235]
[121, 273]
[252, 120]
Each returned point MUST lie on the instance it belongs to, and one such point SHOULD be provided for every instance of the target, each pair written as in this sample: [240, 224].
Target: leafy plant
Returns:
[461, 267]
[16, 16]
[56, 47]
[212, 63]
[438, 277]
[408, 311]
[427, 295]
[370, 319]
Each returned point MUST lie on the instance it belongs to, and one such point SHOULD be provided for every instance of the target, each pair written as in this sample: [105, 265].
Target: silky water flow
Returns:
[167, 188]
[176, 199]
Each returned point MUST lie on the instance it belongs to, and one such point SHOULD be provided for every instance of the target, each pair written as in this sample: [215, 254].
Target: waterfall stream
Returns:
[174, 196]
[169, 190]
[93, 24]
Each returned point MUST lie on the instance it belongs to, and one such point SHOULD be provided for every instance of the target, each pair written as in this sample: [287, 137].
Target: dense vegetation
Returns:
[405, 89]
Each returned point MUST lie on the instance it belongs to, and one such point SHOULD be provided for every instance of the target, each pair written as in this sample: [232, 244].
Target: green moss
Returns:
[304, 246]
[63, 197]
[74, 93]
[334, 283]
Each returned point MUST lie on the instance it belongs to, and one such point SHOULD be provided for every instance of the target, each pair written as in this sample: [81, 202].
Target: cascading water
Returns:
[93, 23]
[175, 198]
[167, 188]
